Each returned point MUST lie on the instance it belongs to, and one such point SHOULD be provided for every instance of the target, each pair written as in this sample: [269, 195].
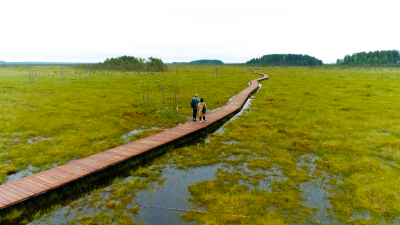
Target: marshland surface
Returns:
[313, 146]
[51, 115]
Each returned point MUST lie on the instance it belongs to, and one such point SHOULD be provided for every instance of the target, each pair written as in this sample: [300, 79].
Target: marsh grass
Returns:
[347, 118]
[69, 113]
[139, 173]
[316, 146]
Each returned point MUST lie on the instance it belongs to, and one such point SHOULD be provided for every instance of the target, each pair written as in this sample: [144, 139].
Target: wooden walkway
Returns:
[36, 184]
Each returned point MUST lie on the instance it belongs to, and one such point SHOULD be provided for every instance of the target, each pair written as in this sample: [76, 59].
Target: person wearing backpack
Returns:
[202, 107]
[193, 104]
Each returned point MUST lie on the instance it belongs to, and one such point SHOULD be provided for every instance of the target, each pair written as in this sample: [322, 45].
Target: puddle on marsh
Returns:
[315, 190]
[127, 136]
[4, 153]
[273, 174]
[361, 215]
[173, 193]
[37, 139]
[22, 173]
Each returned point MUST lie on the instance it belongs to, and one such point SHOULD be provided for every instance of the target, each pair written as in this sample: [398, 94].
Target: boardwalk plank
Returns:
[27, 185]
[35, 179]
[48, 179]
[40, 185]
[90, 162]
[20, 189]
[4, 192]
[84, 165]
[103, 161]
[8, 197]
[121, 151]
[107, 157]
[54, 176]
[5, 201]
[80, 167]
[73, 171]
[61, 174]
[15, 191]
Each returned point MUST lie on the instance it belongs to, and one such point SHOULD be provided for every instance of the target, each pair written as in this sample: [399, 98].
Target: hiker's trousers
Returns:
[194, 113]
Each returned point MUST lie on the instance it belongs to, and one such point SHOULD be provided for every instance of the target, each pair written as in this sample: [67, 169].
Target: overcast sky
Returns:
[184, 30]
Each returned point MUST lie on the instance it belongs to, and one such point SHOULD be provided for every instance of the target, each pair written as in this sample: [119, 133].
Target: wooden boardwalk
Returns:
[36, 184]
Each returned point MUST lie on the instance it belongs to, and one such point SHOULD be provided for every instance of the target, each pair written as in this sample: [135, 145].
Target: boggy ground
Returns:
[315, 146]
[51, 115]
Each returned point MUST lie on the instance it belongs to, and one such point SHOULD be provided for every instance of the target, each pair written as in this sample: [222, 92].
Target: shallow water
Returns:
[22, 173]
[37, 139]
[315, 191]
[127, 136]
[173, 193]
[5, 152]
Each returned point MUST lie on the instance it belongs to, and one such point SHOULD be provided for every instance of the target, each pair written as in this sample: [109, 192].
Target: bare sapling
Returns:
[62, 74]
[175, 99]
[147, 93]
[162, 88]
[143, 93]
[31, 76]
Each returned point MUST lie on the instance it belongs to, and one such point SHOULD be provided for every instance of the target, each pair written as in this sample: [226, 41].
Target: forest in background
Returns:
[384, 58]
[390, 58]
[202, 61]
[285, 60]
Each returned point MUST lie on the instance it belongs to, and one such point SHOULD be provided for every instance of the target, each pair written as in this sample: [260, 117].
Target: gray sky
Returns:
[184, 30]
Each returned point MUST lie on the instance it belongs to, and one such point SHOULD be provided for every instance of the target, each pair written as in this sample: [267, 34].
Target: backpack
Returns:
[204, 110]
[193, 103]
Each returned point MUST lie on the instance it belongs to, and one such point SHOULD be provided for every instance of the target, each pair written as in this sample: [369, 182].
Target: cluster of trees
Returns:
[285, 60]
[207, 61]
[2, 62]
[130, 63]
[202, 61]
[377, 58]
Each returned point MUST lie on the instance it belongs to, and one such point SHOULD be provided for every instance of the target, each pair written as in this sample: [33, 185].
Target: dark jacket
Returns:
[197, 102]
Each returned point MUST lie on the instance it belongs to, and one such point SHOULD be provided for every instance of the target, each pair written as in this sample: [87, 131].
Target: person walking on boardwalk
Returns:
[193, 104]
[202, 110]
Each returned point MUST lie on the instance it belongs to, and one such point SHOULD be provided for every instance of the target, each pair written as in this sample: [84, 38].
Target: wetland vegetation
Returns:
[52, 115]
[312, 146]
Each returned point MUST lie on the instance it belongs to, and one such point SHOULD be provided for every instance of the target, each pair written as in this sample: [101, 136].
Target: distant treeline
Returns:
[285, 60]
[389, 58]
[202, 61]
[207, 61]
[129, 63]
